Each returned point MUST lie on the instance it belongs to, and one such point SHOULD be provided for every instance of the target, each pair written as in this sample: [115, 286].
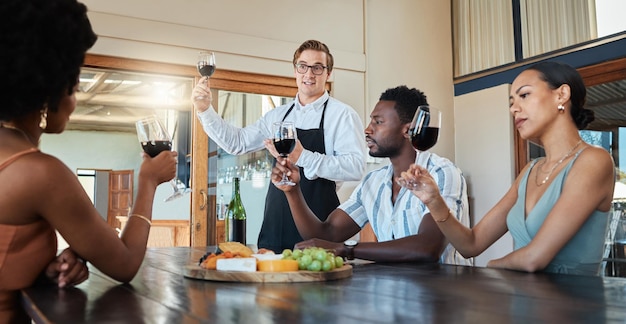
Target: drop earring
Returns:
[43, 122]
[561, 108]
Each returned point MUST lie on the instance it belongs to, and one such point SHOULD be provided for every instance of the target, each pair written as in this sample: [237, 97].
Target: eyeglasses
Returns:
[317, 69]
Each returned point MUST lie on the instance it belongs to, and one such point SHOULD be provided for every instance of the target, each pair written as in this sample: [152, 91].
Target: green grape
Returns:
[319, 255]
[331, 260]
[326, 265]
[314, 258]
[297, 253]
[301, 265]
[315, 265]
[338, 262]
[306, 260]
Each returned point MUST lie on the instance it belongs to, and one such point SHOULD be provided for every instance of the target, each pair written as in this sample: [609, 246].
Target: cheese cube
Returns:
[237, 264]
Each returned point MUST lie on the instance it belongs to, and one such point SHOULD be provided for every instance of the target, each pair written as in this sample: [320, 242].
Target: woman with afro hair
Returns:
[42, 48]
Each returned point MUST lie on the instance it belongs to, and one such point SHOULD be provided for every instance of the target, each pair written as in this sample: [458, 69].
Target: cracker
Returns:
[236, 248]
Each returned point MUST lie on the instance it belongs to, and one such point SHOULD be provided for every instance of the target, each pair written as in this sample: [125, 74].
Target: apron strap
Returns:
[321, 126]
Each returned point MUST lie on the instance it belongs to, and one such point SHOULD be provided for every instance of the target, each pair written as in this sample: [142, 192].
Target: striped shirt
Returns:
[371, 202]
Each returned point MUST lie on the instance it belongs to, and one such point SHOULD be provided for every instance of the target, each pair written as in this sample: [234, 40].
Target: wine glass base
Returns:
[411, 185]
[286, 183]
[173, 197]
[179, 190]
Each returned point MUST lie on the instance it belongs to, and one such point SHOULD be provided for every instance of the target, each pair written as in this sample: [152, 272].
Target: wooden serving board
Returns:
[195, 271]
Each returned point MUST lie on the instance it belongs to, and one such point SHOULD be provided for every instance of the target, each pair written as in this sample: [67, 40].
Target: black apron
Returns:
[278, 231]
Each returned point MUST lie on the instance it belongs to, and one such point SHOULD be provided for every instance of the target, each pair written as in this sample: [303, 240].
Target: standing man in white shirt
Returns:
[330, 146]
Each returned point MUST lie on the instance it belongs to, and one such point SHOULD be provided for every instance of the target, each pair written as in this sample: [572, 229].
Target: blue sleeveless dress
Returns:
[582, 255]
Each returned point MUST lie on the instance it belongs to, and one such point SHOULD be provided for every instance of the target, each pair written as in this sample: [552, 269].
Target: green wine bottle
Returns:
[236, 217]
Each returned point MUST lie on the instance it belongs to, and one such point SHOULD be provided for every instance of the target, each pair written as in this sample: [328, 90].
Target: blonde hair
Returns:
[315, 45]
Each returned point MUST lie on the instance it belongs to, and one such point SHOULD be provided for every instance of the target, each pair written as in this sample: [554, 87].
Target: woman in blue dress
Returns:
[558, 208]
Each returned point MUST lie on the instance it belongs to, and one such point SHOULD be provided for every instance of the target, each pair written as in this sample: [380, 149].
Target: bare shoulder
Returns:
[43, 159]
[594, 172]
[594, 166]
[33, 176]
[521, 174]
[596, 158]
[41, 166]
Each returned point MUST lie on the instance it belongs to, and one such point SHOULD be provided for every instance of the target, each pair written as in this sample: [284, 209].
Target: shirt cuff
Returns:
[304, 156]
[208, 115]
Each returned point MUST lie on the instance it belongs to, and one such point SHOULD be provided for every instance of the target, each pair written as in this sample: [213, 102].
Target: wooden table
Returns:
[376, 293]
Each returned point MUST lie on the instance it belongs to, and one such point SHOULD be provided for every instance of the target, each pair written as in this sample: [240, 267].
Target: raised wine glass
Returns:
[154, 139]
[423, 132]
[284, 142]
[206, 65]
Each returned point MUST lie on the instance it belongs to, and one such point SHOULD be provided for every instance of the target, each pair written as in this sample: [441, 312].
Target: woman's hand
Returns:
[161, 168]
[67, 269]
[293, 173]
[423, 185]
[201, 94]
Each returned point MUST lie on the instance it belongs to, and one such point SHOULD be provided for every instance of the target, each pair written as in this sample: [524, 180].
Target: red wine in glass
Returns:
[424, 139]
[154, 139]
[206, 70]
[285, 146]
[206, 65]
[153, 148]
[284, 142]
[423, 132]
[424, 128]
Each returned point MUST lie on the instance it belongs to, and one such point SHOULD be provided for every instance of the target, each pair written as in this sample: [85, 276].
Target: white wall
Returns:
[409, 42]
[485, 154]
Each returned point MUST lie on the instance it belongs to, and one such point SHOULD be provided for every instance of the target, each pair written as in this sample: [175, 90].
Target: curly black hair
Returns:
[557, 74]
[42, 48]
[407, 100]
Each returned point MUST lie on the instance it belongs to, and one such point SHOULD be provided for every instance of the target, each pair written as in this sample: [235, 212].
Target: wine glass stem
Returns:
[203, 97]
[408, 184]
[413, 184]
[174, 184]
[285, 179]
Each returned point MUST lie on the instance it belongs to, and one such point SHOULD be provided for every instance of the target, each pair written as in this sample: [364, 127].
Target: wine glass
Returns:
[154, 139]
[284, 142]
[423, 132]
[206, 65]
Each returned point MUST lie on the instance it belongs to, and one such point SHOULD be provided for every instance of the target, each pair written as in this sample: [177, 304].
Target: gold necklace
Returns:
[553, 167]
[19, 130]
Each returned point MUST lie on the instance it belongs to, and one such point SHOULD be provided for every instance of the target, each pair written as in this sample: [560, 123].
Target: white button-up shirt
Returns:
[344, 138]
